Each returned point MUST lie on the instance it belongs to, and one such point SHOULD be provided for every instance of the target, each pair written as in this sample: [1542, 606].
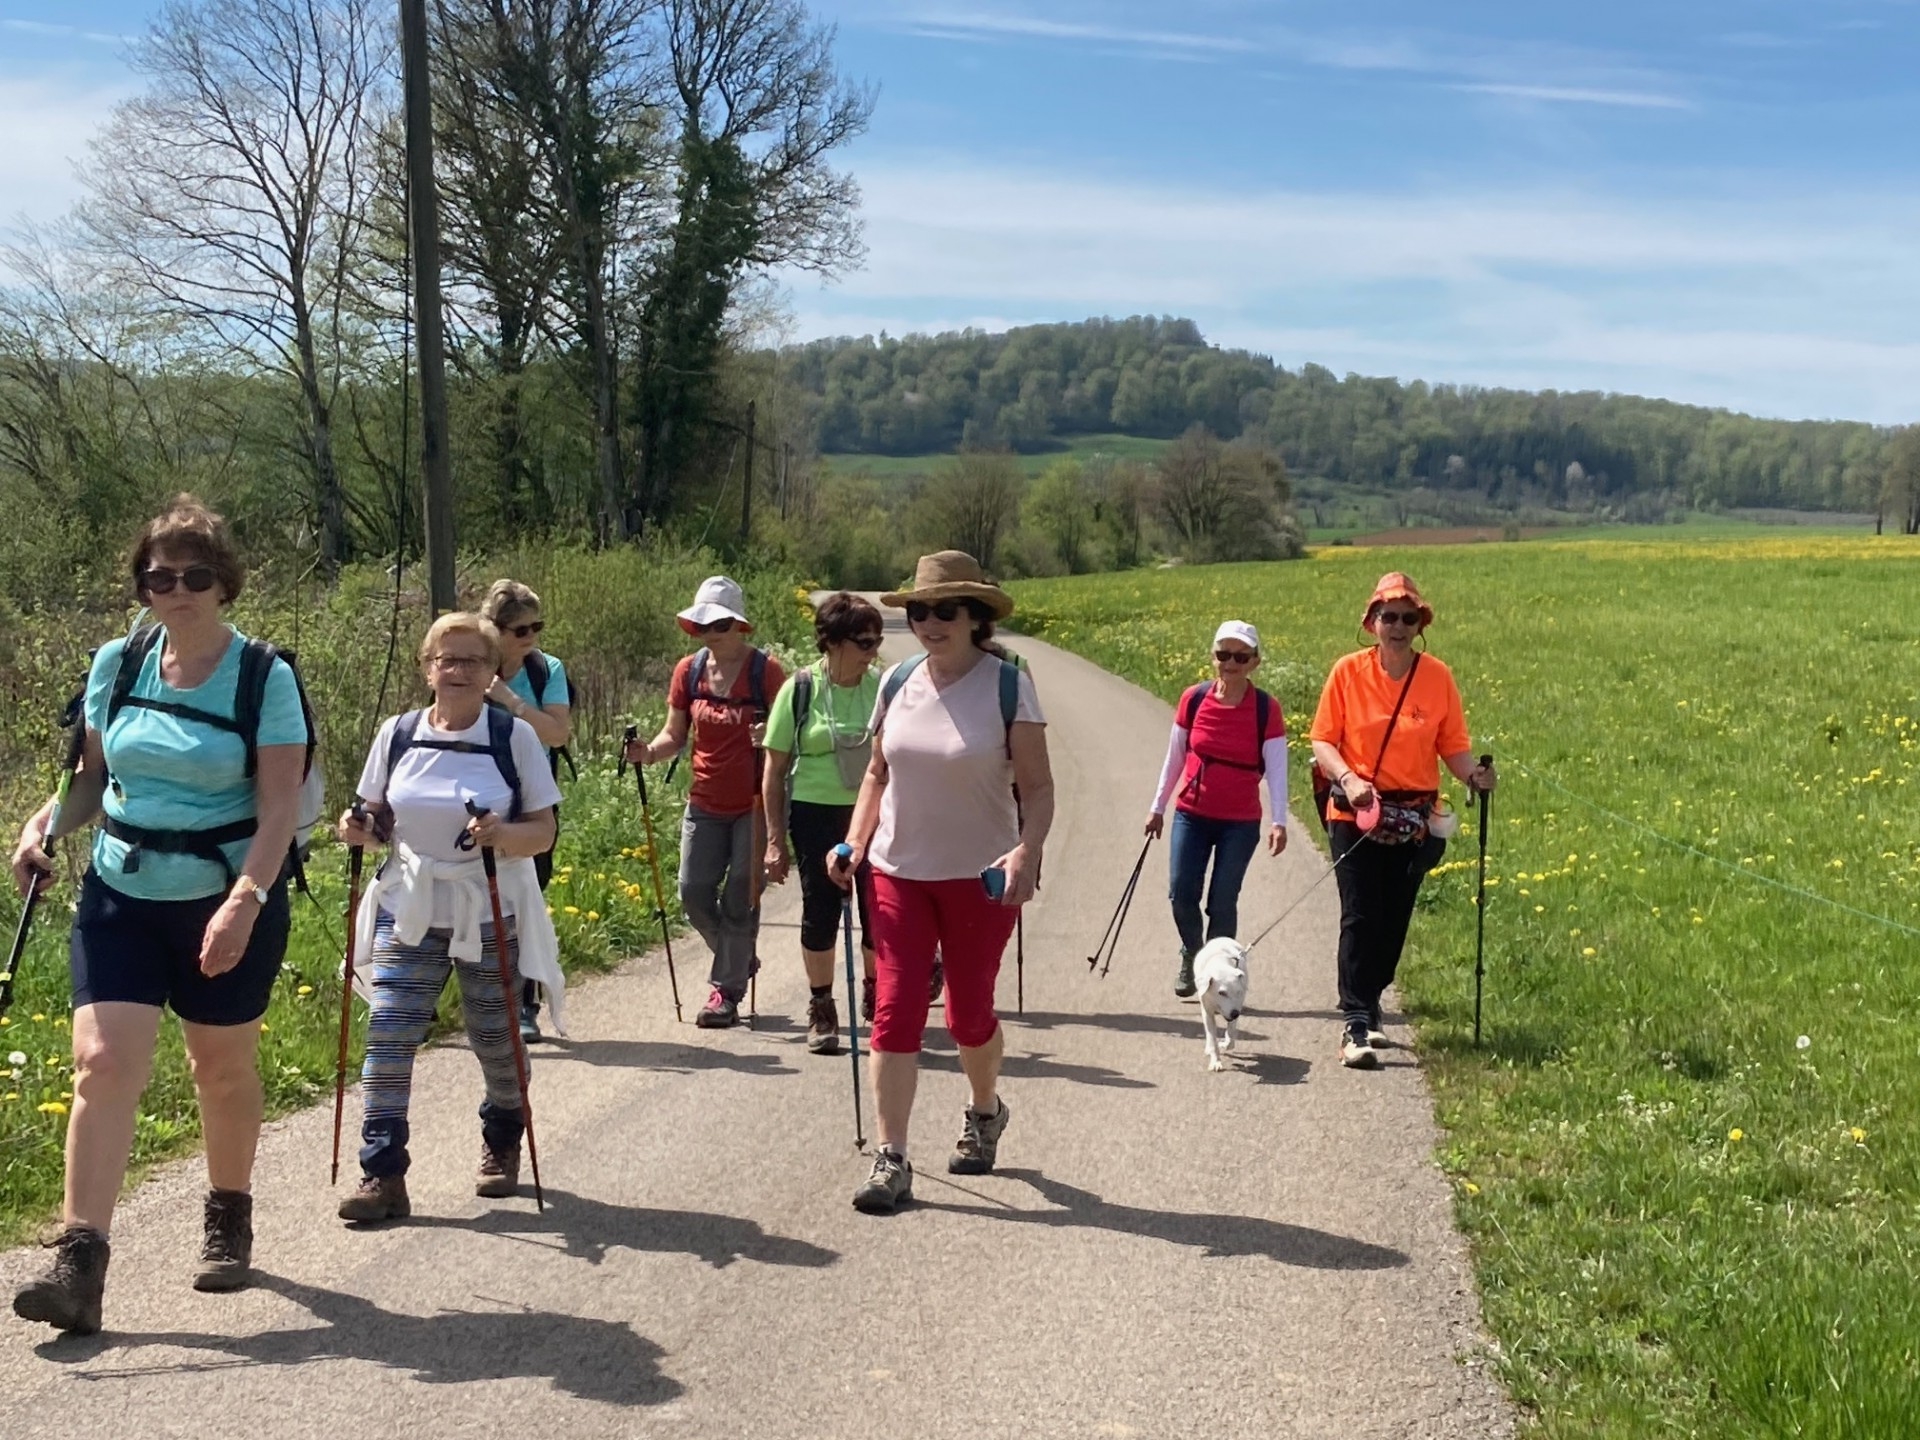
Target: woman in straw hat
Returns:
[719, 697]
[953, 853]
[1389, 717]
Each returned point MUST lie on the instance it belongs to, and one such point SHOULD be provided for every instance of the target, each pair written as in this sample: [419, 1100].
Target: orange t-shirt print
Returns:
[726, 773]
[1358, 700]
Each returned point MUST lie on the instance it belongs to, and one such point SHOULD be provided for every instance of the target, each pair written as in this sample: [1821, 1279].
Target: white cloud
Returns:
[1798, 305]
[957, 25]
[45, 124]
[1575, 95]
[63, 32]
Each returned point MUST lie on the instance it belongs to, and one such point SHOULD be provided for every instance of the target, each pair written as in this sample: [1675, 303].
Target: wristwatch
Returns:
[243, 887]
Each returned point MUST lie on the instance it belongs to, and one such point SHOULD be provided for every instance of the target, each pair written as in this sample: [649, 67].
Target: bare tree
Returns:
[972, 505]
[1219, 500]
[234, 190]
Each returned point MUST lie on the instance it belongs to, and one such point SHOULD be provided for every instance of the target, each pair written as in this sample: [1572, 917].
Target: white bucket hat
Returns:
[1238, 630]
[718, 598]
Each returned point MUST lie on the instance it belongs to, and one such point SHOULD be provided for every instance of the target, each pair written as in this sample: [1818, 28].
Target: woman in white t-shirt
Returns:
[427, 913]
[952, 817]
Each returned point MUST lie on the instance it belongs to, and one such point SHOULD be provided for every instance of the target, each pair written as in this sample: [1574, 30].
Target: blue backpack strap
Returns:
[1009, 698]
[757, 684]
[899, 677]
[697, 675]
[401, 740]
[500, 747]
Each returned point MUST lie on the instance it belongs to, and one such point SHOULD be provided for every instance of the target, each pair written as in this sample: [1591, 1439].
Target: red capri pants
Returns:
[911, 918]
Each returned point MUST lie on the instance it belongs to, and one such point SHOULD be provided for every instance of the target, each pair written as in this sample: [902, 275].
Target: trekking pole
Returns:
[75, 725]
[1480, 907]
[1110, 939]
[845, 852]
[653, 854]
[756, 884]
[356, 855]
[512, 994]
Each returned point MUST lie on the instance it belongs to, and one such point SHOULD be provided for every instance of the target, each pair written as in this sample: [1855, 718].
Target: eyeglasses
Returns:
[158, 580]
[718, 627]
[945, 611]
[459, 662]
[1235, 657]
[521, 632]
[868, 643]
[1397, 617]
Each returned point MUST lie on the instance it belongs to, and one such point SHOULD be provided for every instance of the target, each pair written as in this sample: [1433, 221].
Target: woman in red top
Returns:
[721, 701]
[1226, 734]
[1388, 718]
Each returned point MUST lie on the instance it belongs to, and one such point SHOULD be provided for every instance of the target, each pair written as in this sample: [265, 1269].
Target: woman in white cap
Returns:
[1227, 733]
[953, 854]
[720, 696]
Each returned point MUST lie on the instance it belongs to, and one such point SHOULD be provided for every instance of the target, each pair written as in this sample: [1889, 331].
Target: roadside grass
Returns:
[1686, 1155]
[611, 623]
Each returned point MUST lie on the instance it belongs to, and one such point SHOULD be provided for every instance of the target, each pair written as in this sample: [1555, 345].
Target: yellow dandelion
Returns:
[1736, 1135]
[1589, 951]
[1470, 1187]
[593, 914]
[51, 1107]
[1859, 1135]
[304, 990]
[13, 1094]
[38, 1017]
[572, 909]
[264, 1027]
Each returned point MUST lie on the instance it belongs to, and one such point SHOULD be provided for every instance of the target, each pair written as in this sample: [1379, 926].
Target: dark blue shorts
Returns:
[147, 952]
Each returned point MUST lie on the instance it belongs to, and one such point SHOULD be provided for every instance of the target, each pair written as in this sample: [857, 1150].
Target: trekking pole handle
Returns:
[486, 851]
[627, 737]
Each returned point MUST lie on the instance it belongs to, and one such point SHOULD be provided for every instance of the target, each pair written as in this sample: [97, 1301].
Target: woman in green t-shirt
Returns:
[815, 762]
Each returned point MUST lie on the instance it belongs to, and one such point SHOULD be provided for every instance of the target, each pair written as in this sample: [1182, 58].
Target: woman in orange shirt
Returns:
[1389, 717]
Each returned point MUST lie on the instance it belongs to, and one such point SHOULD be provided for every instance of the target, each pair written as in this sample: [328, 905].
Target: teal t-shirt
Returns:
[172, 773]
[557, 691]
[836, 712]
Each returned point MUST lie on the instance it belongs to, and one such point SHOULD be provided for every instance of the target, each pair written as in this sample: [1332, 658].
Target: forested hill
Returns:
[1033, 387]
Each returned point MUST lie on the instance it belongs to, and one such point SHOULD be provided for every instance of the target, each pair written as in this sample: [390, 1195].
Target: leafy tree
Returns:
[1221, 501]
[970, 504]
[1060, 506]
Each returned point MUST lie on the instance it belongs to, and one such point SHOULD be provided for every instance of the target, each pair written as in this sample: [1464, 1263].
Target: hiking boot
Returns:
[1183, 985]
[938, 983]
[722, 1011]
[499, 1174]
[1355, 1052]
[379, 1197]
[868, 989]
[888, 1187]
[979, 1142]
[823, 1026]
[1376, 1028]
[68, 1297]
[226, 1255]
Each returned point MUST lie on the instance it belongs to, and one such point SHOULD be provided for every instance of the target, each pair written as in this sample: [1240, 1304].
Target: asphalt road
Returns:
[1164, 1251]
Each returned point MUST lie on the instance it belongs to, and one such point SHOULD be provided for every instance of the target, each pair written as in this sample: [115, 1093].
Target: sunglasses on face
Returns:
[158, 580]
[945, 611]
[1234, 657]
[718, 627]
[1397, 617]
[868, 643]
[521, 632]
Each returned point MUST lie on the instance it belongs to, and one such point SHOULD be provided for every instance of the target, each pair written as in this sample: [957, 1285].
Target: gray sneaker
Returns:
[888, 1187]
[979, 1142]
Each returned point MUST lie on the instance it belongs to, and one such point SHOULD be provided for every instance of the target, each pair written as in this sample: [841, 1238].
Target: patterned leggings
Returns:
[407, 981]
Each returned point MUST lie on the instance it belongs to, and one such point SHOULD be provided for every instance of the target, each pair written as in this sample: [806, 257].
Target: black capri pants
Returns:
[815, 830]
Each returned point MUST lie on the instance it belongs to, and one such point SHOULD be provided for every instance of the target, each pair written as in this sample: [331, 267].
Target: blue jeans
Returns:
[1230, 845]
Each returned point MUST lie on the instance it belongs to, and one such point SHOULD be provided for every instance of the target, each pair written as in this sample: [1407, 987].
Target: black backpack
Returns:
[756, 683]
[539, 674]
[1262, 709]
[249, 699]
[406, 736]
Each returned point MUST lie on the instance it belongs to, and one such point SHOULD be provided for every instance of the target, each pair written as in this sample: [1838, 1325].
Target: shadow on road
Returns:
[1185, 1026]
[663, 1055]
[600, 1360]
[1214, 1235]
[1040, 1067]
[1269, 1069]
[589, 1229]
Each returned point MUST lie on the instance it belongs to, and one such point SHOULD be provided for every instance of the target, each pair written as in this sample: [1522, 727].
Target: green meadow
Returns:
[1685, 1155]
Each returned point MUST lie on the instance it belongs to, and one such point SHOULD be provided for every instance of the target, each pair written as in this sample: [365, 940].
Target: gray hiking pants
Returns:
[716, 860]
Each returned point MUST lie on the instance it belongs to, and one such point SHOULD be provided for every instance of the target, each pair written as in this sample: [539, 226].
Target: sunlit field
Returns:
[1685, 1154]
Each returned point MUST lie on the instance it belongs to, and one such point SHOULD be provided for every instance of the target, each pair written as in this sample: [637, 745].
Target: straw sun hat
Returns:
[951, 575]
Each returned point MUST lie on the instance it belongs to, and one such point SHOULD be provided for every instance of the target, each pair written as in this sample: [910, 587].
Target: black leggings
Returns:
[1378, 885]
[815, 830]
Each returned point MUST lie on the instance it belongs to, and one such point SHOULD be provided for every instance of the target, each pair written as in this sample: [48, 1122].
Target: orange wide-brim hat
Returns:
[1396, 586]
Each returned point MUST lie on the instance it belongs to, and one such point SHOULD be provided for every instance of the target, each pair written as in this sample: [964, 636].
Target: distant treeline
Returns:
[1032, 387]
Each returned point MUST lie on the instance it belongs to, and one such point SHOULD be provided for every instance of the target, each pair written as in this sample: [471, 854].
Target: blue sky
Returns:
[1714, 200]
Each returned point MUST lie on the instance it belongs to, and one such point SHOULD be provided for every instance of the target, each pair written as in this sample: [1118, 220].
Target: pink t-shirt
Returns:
[1227, 785]
[947, 812]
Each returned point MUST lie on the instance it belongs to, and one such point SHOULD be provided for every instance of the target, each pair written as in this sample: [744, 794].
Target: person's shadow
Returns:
[1215, 1236]
[1184, 1026]
[1040, 1067]
[602, 1360]
[588, 1229]
[664, 1055]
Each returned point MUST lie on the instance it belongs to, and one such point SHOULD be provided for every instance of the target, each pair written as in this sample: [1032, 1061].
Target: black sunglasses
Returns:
[868, 643]
[1396, 617]
[158, 580]
[945, 611]
[718, 627]
[521, 632]
[1235, 657]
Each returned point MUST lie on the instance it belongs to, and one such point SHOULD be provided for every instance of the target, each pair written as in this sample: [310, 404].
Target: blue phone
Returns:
[994, 880]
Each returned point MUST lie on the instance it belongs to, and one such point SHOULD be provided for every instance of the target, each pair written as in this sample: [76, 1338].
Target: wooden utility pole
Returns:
[746, 490]
[423, 218]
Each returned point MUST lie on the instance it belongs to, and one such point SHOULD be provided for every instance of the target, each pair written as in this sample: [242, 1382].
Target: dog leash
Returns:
[1301, 899]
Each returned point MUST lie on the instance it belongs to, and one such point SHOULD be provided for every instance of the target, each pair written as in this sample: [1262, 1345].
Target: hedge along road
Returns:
[1164, 1252]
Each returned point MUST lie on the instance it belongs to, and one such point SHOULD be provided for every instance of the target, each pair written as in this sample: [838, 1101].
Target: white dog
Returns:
[1220, 970]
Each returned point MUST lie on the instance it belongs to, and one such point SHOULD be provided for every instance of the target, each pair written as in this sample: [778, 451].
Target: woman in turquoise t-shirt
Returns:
[822, 767]
[185, 904]
[531, 686]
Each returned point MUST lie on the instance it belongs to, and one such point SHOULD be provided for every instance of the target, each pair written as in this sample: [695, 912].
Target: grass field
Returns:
[1082, 448]
[1686, 1157]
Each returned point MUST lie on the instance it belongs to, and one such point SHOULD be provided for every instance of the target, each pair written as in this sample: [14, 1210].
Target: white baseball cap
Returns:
[1238, 630]
[718, 598]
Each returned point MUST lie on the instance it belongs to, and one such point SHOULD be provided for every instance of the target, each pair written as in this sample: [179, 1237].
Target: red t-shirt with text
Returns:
[726, 766]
